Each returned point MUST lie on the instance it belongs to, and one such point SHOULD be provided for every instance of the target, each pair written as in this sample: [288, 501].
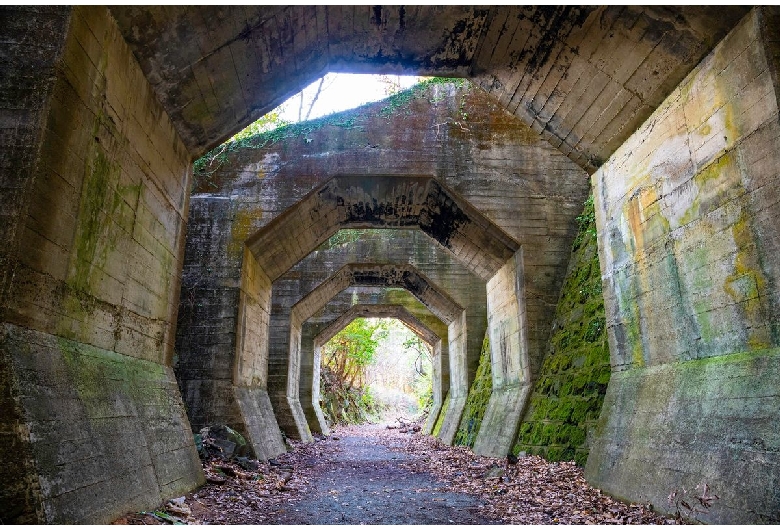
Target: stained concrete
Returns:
[684, 212]
[90, 264]
[104, 111]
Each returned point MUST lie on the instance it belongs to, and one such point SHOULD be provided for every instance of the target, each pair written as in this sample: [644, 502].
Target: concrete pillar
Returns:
[687, 215]
[90, 270]
[510, 366]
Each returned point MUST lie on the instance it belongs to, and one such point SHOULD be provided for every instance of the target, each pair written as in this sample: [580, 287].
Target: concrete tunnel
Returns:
[143, 295]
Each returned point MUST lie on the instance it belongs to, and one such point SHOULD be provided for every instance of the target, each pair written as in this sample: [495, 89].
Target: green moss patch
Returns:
[442, 414]
[569, 393]
[477, 400]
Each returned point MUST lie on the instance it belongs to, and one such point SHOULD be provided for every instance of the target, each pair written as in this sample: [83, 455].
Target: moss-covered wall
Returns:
[569, 393]
[442, 414]
[476, 403]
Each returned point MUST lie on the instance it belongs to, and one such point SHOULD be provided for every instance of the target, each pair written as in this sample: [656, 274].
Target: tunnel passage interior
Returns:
[396, 202]
[365, 300]
[671, 111]
[404, 276]
[437, 341]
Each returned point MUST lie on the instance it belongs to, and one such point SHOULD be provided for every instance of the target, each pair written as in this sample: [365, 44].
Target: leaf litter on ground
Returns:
[530, 491]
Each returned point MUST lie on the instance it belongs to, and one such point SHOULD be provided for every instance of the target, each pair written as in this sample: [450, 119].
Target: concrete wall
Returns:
[687, 215]
[90, 271]
[95, 182]
[492, 161]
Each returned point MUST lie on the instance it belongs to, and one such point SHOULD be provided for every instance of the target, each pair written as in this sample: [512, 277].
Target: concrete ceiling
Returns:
[584, 77]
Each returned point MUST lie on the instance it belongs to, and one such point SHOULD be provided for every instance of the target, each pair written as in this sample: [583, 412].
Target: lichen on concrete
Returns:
[442, 414]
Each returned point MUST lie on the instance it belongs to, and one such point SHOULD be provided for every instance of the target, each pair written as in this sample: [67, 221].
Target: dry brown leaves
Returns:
[233, 495]
[532, 491]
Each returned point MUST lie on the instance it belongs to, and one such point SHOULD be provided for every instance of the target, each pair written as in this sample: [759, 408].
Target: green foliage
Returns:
[586, 223]
[352, 349]
[345, 357]
[422, 384]
[402, 99]
[267, 123]
[442, 414]
[346, 405]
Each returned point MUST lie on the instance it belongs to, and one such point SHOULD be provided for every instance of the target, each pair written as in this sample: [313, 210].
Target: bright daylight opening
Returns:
[334, 92]
[376, 370]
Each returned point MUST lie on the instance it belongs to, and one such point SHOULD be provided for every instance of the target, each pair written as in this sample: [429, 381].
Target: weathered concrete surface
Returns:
[112, 436]
[311, 403]
[221, 357]
[687, 215]
[31, 37]
[510, 366]
[585, 77]
[97, 174]
[90, 268]
[382, 201]
[493, 162]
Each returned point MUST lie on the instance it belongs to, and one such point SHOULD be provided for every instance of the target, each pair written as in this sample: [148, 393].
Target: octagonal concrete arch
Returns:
[374, 297]
[382, 202]
[437, 343]
[400, 202]
[374, 246]
[292, 418]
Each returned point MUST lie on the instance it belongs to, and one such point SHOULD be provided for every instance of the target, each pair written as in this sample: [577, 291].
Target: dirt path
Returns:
[372, 475]
[363, 482]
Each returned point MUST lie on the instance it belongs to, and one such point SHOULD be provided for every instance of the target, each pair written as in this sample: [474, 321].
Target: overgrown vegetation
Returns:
[586, 224]
[422, 384]
[345, 357]
[568, 395]
[375, 368]
[477, 401]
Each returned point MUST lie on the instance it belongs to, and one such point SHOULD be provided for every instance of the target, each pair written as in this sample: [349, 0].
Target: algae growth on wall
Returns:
[569, 393]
